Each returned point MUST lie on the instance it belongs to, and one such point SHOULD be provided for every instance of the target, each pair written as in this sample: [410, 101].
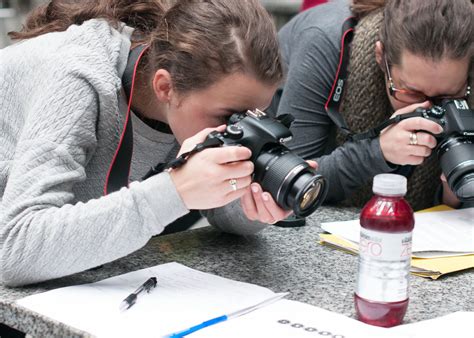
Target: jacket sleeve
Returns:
[44, 233]
[311, 70]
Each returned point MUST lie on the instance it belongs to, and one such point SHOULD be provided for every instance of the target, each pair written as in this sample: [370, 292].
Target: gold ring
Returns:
[233, 184]
[413, 139]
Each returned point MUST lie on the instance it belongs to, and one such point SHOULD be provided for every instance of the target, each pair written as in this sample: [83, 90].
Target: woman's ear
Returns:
[379, 54]
[162, 85]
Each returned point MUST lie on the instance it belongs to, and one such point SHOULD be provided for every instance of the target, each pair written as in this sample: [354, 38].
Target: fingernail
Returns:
[254, 188]
[265, 197]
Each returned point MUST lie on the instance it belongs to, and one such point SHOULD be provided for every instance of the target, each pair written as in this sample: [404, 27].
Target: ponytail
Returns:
[361, 8]
[58, 15]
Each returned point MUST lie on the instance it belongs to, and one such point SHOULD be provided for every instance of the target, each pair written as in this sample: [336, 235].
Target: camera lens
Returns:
[310, 196]
[290, 180]
[456, 155]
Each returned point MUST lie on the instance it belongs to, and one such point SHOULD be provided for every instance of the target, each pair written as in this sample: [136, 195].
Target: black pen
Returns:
[131, 299]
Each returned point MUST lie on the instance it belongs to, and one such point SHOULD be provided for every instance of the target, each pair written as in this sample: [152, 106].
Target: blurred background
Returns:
[13, 12]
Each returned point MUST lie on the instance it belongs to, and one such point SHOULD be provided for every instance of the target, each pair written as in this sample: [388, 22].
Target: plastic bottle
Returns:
[387, 222]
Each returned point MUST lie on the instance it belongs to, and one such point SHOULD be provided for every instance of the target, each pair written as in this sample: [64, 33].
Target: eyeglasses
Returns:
[413, 96]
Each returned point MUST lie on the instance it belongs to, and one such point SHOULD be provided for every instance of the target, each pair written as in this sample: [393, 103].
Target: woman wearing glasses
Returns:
[404, 54]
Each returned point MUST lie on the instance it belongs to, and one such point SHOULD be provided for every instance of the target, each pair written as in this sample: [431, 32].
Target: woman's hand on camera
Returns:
[409, 142]
[213, 177]
[259, 205]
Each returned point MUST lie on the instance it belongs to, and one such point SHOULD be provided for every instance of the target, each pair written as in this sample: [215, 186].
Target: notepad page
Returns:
[183, 297]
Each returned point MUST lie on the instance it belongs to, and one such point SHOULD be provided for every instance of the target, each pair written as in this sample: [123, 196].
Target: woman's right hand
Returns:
[203, 182]
[395, 140]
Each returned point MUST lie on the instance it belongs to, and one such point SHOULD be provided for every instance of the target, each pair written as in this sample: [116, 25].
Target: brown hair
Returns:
[434, 28]
[197, 41]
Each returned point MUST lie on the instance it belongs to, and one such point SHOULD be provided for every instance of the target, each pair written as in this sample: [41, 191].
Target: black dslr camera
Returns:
[455, 144]
[287, 177]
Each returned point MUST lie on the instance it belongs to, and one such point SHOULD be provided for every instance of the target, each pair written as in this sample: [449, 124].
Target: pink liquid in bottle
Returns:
[387, 222]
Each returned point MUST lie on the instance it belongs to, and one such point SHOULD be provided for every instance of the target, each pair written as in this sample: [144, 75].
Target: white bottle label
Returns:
[384, 265]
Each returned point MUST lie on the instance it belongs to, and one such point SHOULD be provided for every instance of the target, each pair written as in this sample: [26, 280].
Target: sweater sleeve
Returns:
[44, 233]
[311, 70]
[231, 218]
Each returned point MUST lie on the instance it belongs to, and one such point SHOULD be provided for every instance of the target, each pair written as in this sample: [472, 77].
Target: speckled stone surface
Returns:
[282, 259]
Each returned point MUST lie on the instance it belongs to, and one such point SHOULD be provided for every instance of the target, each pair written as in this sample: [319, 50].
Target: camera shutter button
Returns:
[234, 132]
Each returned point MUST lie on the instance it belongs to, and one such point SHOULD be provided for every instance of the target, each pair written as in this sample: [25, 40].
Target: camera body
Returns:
[453, 115]
[455, 148]
[255, 130]
[288, 178]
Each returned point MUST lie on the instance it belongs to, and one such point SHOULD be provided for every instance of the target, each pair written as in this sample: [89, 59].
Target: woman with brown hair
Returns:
[64, 113]
[404, 54]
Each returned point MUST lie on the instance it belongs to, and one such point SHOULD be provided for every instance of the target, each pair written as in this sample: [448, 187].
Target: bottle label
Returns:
[384, 265]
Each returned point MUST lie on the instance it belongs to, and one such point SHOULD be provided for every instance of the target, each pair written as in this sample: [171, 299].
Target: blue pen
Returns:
[223, 318]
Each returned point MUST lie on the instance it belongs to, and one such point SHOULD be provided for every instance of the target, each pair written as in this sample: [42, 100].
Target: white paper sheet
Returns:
[183, 297]
[439, 233]
[290, 319]
[456, 325]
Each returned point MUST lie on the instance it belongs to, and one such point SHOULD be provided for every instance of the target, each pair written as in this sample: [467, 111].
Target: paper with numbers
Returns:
[290, 319]
[185, 297]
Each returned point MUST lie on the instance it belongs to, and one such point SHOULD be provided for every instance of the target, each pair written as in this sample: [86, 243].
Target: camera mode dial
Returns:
[234, 132]
[436, 111]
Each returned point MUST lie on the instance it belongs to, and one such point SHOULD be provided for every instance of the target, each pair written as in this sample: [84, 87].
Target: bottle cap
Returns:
[390, 185]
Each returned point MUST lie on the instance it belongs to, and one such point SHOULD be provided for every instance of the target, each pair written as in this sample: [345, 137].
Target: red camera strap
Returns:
[119, 169]
[335, 96]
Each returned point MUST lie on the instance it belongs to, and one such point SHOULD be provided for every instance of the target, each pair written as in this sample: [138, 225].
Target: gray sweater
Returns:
[310, 45]
[62, 111]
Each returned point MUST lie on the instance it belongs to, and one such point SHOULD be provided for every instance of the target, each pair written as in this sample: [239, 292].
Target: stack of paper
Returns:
[185, 297]
[443, 240]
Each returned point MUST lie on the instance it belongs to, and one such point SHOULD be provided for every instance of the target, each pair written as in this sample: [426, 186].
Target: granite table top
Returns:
[281, 259]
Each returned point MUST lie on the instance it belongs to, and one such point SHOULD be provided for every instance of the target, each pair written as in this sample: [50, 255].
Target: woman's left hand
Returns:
[259, 205]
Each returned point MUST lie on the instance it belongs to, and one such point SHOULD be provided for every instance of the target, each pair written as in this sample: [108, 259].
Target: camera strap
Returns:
[119, 169]
[333, 102]
[374, 132]
[182, 159]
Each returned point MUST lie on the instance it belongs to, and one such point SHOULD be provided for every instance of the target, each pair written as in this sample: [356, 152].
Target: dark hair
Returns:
[197, 41]
[434, 28]
[361, 8]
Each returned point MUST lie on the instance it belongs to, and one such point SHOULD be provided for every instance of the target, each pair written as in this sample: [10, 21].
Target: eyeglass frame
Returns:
[393, 90]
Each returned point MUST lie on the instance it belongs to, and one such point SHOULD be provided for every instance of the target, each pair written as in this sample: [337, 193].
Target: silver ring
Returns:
[413, 139]
[233, 184]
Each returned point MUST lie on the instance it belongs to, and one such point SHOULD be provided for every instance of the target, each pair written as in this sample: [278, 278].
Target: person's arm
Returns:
[44, 233]
[232, 219]
[311, 71]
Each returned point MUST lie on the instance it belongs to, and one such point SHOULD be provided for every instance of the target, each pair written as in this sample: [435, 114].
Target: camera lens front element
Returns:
[290, 180]
[311, 195]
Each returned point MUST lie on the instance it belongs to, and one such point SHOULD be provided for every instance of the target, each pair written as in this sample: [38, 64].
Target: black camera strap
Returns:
[374, 132]
[180, 160]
